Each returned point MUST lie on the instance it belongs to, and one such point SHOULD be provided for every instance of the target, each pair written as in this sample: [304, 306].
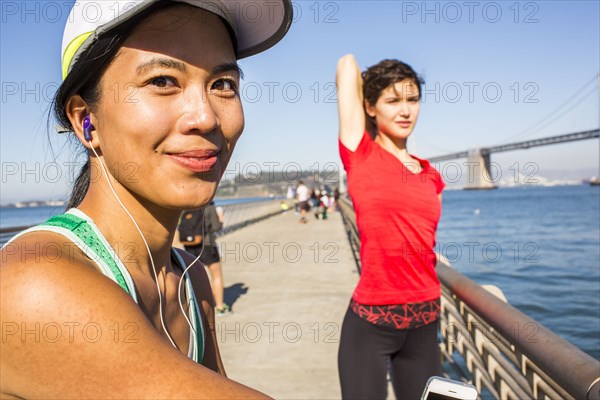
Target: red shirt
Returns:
[397, 213]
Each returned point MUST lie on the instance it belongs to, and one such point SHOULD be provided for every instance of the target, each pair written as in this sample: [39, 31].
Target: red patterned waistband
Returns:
[398, 316]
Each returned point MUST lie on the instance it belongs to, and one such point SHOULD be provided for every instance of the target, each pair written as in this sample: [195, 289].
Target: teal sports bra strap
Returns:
[86, 234]
[81, 230]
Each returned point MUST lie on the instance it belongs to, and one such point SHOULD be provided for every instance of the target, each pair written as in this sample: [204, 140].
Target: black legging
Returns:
[366, 351]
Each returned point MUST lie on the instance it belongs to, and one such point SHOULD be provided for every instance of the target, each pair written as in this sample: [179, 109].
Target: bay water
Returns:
[539, 245]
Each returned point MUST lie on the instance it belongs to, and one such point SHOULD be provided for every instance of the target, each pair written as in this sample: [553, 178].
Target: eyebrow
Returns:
[228, 67]
[163, 62]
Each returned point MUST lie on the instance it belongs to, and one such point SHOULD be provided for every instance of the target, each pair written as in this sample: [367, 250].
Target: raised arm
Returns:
[350, 102]
[68, 332]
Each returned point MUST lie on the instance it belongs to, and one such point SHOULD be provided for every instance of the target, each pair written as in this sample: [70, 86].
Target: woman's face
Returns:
[396, 110]
[170, 114]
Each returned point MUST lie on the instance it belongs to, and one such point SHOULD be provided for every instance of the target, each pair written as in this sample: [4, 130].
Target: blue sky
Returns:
[493, 70]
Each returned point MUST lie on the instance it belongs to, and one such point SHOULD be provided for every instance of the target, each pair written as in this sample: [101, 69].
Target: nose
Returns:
[198, 116]
[404, 109]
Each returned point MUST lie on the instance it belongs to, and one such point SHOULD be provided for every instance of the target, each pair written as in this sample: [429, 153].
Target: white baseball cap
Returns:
[257, 24]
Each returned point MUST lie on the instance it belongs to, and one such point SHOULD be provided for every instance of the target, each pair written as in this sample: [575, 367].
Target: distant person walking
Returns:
[336, 199]
[324, 204]
[393, 315]
[314, 202]
[302, 196]
[197, 233]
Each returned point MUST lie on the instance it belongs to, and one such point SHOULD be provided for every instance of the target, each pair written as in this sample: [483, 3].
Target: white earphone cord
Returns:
[162, 320]
[182, 277]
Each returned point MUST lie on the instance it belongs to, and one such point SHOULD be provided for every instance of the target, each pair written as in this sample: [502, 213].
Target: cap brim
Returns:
[257, 35]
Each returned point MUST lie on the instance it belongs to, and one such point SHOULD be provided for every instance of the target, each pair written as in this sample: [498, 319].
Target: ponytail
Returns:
[81, 186]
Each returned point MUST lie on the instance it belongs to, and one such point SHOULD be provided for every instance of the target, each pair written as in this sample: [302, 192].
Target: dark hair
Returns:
[385, 73]
[84, 80]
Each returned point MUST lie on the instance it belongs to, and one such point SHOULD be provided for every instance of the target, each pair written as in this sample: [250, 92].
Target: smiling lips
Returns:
[196, 160]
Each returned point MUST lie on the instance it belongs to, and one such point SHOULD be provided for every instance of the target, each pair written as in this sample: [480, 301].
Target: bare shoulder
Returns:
[58, 312]
[70, 332]
[39, 247]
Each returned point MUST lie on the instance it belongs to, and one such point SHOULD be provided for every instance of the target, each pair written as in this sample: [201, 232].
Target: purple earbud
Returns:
[87, 127]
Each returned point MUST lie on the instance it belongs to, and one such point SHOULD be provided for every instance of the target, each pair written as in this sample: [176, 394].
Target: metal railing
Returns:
[235, 216]
[495, 346]
[239, 215]
[7, 233]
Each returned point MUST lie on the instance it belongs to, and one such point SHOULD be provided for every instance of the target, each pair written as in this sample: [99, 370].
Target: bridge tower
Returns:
[478, 173]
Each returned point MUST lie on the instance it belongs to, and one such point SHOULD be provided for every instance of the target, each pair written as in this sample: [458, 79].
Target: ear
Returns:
[77, 110]
[369, 109]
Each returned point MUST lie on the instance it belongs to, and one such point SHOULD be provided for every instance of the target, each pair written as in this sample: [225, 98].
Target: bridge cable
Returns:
[531, 129]
[562, 114]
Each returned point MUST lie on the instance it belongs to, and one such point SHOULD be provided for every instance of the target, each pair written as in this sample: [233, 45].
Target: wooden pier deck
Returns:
[289, 285]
